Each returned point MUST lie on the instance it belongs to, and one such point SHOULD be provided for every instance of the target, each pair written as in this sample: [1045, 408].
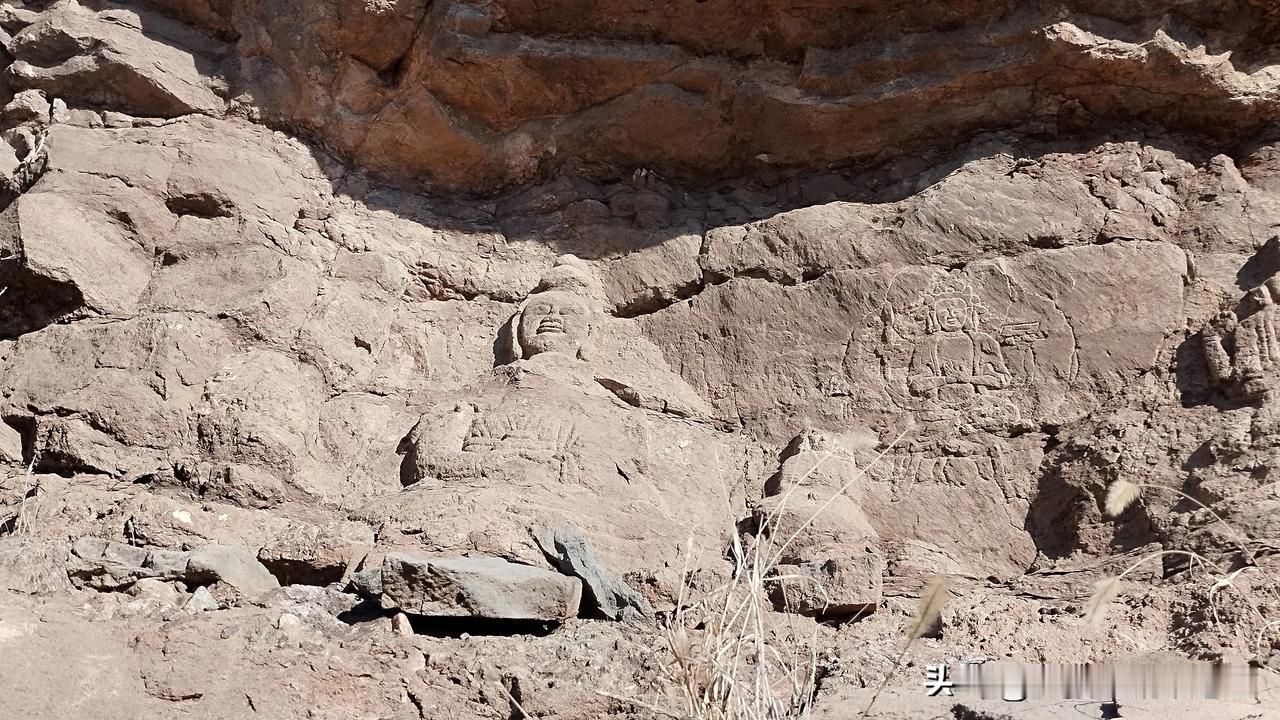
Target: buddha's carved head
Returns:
[560, 314]
[553, 322]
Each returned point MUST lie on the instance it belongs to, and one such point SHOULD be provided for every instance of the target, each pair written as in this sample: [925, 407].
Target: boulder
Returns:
[64, 243]
[33, 567]
[106, 565]
[106, 58]
[200, 601]
[367, 582]
[850, 582]
[234, 566]
[311, 555]
[489, 588]
[570, 551]
[28, 105]
[830, 561]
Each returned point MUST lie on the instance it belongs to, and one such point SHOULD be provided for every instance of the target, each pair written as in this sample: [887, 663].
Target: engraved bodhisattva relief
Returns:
[954, 385]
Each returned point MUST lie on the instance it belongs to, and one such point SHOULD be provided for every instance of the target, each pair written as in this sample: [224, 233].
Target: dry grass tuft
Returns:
[726, 659]
[729, 655]
[931, 602]
[21, 522]
[1121, 495]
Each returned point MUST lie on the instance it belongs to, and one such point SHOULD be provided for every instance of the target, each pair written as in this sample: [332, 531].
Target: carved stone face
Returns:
[553, 322]
[951, 314]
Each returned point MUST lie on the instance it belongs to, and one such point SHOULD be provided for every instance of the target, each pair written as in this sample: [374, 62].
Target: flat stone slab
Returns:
[477, 587]
[232, 565]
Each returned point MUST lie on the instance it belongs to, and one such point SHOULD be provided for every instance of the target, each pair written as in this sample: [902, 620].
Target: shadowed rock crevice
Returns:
[201, 205]
[291, 571]
[31, 302]
[455, 628]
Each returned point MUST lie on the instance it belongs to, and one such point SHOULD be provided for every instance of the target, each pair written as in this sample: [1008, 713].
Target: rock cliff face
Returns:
[481, 94]
[395, 358]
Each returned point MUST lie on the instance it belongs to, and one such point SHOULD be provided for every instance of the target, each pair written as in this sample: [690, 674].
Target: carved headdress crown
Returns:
[572, 275]
[951, 287]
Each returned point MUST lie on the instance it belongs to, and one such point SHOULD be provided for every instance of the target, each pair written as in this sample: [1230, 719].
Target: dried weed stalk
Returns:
[725, 660]
[1124, 493]
[20, 524]
[928, 611]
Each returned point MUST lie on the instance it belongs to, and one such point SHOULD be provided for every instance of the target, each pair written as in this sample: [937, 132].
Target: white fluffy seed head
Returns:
[932, 599]
[1104, 591]
[1120, 496]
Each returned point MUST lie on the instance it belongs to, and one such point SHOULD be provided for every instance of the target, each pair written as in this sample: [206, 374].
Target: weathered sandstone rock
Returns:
[829, 558]
[489, 588]
[231, 565]
[121, 58]
[478, 95]
[33, 567]
[317, 318]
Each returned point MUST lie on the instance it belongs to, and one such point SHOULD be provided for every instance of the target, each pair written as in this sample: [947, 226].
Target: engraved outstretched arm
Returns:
[992, 375]
[924, 384]
[992, 378]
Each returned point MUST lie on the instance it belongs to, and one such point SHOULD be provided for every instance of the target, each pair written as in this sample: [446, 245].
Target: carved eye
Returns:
[539, 308]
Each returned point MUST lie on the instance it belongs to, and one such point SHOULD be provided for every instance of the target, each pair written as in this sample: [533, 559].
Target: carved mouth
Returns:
[550, 326]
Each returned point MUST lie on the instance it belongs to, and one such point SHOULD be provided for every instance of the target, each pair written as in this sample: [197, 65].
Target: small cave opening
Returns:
[201, 205]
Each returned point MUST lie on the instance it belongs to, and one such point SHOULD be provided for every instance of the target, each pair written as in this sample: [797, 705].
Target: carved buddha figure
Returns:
[516, 437]
[547, 432]
[1246, 352]
[956, 364]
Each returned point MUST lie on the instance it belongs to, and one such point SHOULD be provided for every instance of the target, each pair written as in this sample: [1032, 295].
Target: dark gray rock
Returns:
[570, 551]
[234, 566]
[489, 588]
[367, 582]
[106, 565]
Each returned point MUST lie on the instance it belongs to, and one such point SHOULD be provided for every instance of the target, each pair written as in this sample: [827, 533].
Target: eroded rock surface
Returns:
[294, 422]
[480, 94]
